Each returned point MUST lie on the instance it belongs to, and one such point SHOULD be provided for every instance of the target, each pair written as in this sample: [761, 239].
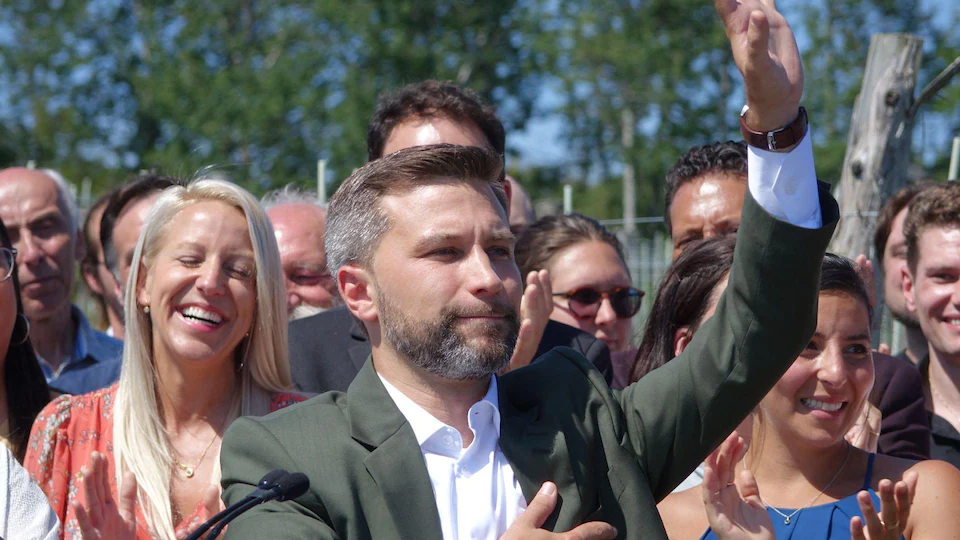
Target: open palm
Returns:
[733, 515]
[766, 53]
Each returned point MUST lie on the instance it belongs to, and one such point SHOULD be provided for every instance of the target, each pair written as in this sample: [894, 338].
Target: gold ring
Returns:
[892, 527]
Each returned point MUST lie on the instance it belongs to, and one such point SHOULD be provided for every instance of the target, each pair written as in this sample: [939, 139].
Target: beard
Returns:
[440, 348]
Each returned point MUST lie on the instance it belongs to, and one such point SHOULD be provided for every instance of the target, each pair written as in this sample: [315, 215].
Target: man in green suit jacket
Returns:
[421, 248]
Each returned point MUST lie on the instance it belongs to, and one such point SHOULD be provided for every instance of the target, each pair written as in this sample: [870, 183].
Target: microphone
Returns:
[290, 486]
[267, 483]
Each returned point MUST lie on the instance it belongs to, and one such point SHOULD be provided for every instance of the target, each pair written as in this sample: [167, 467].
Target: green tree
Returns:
[260, 90]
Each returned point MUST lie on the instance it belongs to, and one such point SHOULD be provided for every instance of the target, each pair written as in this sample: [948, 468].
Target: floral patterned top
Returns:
[67, 432]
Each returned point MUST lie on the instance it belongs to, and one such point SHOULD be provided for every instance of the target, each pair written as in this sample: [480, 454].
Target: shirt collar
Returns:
[426, 425]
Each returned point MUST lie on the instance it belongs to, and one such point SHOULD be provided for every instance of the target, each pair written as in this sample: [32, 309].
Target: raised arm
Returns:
[679, 413]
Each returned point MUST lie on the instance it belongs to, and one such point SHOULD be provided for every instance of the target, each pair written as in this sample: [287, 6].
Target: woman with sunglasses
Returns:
[593, 289]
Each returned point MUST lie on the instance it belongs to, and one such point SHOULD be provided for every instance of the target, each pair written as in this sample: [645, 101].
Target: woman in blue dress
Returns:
[800, 478]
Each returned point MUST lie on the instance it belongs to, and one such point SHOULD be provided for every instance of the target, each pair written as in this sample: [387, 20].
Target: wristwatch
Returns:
[777, 139]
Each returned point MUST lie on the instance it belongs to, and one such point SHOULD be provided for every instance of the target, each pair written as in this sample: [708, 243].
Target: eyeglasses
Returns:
[8, 258]
[585, 301]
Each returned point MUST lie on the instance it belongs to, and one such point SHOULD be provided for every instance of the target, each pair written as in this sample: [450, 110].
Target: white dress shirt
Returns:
[477, 494]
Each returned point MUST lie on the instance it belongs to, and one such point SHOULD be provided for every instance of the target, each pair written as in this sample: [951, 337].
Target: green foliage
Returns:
[103, 88]
[260, 90]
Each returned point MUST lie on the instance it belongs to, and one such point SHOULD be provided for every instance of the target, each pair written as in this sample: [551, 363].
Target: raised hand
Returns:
[535, 308]
[767, 56]
[103, 518]
[731, 516]
[527, 526]
[895, 502]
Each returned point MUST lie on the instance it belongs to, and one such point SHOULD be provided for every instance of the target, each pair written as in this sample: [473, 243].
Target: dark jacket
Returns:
[612, 454]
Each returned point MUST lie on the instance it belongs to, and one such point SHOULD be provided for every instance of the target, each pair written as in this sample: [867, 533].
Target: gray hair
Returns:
[65, 192]
[356, 221]
[290, 194]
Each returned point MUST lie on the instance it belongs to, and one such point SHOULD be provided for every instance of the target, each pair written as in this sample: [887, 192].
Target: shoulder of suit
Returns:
[338, 320]
[555, 365]
[324, 409]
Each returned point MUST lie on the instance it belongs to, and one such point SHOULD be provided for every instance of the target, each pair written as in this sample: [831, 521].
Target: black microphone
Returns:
[268, 482]
[288, 487]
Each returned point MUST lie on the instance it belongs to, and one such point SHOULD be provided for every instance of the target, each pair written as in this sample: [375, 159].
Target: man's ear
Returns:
[681, 338]
[89, 273]
[508, 190]
[357, 289]
[907, 285]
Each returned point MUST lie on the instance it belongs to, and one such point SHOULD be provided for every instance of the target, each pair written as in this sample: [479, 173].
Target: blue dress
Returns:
[829, 521]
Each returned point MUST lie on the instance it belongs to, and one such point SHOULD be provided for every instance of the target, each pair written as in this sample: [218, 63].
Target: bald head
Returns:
[38, 211]
[299, 227]
[521, 207]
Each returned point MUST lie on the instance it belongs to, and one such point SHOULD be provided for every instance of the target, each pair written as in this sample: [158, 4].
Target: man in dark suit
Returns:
[328, 349]
[427, 442]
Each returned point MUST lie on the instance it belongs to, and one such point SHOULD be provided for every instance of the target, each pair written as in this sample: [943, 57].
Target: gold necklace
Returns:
[786, 517]
[190, 471]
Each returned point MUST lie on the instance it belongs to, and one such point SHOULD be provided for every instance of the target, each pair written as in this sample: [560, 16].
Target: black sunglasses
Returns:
[585, 301]
[8, 258]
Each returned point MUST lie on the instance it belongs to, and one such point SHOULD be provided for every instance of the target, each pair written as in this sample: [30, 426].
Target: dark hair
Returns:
[840, 274]
[432, 98]
[139, 187]
[682, 298]
[90, 257]
[550, 235]
[889, 212]
[936, 206]
[25, 385]
[728, 157]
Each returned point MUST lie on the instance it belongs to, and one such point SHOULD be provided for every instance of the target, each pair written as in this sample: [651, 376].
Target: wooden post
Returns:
[878, 145]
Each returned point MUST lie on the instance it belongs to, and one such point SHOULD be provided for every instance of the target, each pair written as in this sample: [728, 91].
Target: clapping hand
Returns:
[535, 308]
[767, 56]
[733, 515]
[102, 518]
[895, 502]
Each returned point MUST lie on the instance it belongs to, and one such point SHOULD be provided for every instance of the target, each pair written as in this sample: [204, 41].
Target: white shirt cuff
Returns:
[785, 183]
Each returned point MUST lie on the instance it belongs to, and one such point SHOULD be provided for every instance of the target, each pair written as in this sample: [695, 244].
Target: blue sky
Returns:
[541, 142]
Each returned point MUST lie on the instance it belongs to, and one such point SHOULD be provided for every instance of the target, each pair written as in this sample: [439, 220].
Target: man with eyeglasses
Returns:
[42, 219]
[298, 222]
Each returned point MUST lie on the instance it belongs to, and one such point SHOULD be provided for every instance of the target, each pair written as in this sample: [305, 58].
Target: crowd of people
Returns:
[440, 363]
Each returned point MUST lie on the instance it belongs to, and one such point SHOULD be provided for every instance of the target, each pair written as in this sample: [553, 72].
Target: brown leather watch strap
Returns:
[777, 139]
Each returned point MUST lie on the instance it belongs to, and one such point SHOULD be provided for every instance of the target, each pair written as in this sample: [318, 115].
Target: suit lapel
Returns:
[395, 462]
[537, 452]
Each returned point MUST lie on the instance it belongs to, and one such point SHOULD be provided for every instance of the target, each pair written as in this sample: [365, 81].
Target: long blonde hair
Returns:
[141, 442]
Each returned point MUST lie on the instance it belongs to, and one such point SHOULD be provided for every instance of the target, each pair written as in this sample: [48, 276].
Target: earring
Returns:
[22, 325]
[146, 309]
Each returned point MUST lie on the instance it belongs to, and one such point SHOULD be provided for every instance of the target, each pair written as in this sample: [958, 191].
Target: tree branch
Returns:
[935, 86]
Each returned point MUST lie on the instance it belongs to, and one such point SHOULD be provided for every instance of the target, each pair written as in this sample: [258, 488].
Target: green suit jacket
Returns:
[613, 455]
